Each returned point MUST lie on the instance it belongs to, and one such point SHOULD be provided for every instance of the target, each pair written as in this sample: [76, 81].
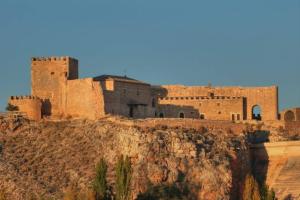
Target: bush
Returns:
[251, 189]
[3, 195]
[11, 107]
[266, 193]
[165, 192]
[72, 193]
[100, 184]
[123, 179]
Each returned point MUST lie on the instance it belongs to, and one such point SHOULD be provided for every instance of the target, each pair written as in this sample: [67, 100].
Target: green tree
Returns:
[11, 107]
[266, 193]
[123, 179]
[251, 189]
[100, 183]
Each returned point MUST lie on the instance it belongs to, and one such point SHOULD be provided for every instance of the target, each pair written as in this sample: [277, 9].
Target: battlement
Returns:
[13, 98]
[31, 105]
[53, 59]
[200, 98]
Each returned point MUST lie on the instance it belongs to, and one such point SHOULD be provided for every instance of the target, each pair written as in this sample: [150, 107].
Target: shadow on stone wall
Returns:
[257, 164]
[169, 111]
[46, 107]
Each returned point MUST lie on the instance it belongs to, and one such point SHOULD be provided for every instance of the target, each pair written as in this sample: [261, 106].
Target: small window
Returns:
[219, 113]
[192, 98]
[238, 117]
[137, 92]
[161, 115]
[52, 73]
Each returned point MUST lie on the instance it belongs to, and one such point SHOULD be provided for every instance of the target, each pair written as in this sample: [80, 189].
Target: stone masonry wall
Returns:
[265, 97]
[217, 108]
[49, 78]
[84, 99]
[121, 96]
[28, 104]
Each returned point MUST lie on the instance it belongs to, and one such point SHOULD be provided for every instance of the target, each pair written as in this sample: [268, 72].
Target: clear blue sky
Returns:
[192, 42]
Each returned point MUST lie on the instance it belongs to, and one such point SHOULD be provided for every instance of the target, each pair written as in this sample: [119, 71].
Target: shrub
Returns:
[3, 195]
[71, 193]
[251, 189]
[11, 107]
[123, 179]
[165, 192]
[266, 193]
[100, 184]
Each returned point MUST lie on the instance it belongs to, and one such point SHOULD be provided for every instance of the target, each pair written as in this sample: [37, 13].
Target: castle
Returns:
[57, 92]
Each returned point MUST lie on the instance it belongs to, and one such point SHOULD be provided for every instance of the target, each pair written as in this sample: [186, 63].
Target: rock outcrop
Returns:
[42, 159]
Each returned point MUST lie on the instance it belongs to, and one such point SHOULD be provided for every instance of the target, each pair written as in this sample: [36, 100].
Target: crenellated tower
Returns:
[49, 76]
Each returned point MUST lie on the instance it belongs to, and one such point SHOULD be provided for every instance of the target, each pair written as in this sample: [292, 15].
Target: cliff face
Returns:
[43, 159]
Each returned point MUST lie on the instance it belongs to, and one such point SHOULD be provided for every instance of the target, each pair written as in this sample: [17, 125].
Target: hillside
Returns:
[43, 159]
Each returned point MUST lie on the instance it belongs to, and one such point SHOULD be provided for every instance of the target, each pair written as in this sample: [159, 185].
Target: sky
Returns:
[191, 42]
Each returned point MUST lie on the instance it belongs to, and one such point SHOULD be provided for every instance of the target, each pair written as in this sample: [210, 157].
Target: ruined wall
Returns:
[291, 114]
[127, 98]
[265, 97]
[48, 81]
[28, 104]
[218, 108]
[84, 99]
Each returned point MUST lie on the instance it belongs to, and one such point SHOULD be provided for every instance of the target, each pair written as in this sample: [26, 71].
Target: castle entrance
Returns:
[256, 113]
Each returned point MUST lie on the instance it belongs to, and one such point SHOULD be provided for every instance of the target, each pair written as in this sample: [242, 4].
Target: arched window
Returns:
[256, 113]
[289, 116]
[181, 115]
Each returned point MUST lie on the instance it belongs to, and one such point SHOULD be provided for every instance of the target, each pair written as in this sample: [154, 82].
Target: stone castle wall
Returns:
[55, 81]
[290, 115]
[218, 108]
[264, 97]
[49, 81]
[28, 104]
[127, 99]
[84, 99]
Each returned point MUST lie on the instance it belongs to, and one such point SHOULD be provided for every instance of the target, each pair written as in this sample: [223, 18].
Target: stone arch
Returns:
[181, 115]
[289, 116]
[256, 112]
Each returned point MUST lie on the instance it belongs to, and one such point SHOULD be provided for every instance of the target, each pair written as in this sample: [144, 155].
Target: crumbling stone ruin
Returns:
[57, 92]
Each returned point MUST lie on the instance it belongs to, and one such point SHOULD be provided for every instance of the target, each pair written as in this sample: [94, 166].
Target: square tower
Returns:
[49, 78]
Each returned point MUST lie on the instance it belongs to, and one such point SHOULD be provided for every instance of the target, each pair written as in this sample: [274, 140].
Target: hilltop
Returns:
[43, 159]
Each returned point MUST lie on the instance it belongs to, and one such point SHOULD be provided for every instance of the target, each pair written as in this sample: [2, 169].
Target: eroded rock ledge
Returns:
[44, 158]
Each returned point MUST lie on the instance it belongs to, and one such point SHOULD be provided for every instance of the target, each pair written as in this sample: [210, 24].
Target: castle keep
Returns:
[57, 92]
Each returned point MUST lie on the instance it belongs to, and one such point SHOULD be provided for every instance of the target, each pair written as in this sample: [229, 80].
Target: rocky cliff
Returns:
[42, 159]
